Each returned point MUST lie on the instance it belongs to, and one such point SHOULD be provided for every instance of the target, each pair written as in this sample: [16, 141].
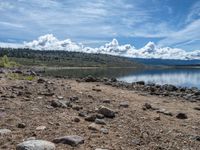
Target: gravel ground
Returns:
[26, 105]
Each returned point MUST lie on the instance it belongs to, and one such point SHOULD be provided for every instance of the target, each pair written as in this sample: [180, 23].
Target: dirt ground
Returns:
[132, 128]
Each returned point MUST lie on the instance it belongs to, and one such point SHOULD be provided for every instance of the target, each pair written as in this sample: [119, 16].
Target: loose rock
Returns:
[21, 125]
[40, 128]
[91, 118]
[146, 106]
[165, 112]
[60, 103]
[5, 131]
[72, 140]
[100, 121]
[181, 116]
[100, 116]
[76, 119]
[40, 80]
[94, 127]
[107, 112]
[124, 104]
[36, 145]
[104, 130]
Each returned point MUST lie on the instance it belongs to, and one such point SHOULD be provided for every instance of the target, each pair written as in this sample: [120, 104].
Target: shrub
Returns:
[6, 63]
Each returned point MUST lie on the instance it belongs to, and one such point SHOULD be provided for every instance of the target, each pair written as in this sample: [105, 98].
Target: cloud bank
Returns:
[150, 50]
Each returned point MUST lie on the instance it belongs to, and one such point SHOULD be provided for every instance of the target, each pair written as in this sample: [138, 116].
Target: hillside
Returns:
[167, 62]
[63, 58]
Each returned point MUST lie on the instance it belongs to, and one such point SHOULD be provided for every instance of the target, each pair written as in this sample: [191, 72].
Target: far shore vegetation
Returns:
[27, 57]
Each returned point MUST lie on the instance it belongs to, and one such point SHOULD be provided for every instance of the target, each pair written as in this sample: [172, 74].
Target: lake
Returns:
[187, 77]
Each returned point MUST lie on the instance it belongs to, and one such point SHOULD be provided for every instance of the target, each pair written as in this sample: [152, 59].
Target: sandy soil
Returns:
[132, 129]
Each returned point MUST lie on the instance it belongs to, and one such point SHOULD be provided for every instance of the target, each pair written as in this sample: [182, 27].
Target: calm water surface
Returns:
[178, 77]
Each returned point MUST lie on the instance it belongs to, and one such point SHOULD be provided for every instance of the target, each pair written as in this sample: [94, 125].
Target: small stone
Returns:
[100, 116]
[113, 80]
[5, 131]
[36, 145]
[165, 112]
[136, 141]
[73, 98]
[100, 149]
[39, 97]
[100, 121]
[60, 103]
[21, 125]
[73, 140]
[146, 106]
[197, 138]
[181, 116]
[40, 80]
[104, 130]
[76, 119]
[91, 118]
[124, 104]
[82, 114]
[107, 112]
[108, 101]
[60, 97]
[197, 108]
[97, 90]
[77, 107]
[40, 128]
[30, 138]
[90, 79]
[156, 117]
[94, 127]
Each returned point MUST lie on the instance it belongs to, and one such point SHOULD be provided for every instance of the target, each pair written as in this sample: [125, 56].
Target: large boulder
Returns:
[36, 145]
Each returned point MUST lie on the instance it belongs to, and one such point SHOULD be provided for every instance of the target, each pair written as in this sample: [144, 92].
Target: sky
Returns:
[168, 23]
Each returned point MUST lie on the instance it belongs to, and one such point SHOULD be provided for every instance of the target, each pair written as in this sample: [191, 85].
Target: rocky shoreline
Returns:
[167, 90]
[47, 113]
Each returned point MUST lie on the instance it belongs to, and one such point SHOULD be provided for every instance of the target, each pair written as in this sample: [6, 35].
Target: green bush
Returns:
[6, 63]
[16, 76]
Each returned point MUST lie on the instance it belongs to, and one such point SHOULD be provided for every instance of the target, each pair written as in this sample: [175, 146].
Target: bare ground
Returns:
[132, 129]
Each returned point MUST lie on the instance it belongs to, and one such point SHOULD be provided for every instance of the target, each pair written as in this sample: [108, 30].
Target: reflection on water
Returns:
[96, 72]
[179, 77]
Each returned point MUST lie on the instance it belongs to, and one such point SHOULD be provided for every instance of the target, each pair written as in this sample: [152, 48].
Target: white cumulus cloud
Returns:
[150, 50]
[49, 42]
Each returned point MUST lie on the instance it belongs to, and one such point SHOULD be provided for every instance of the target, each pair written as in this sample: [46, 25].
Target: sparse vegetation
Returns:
[6, 63]
[17, 76]
[56, 58]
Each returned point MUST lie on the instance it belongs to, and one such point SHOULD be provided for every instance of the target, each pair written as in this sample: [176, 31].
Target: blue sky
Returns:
[174, 23]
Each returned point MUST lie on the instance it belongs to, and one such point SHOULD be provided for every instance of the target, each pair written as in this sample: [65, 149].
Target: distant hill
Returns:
[167, 62]
[57, 58]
